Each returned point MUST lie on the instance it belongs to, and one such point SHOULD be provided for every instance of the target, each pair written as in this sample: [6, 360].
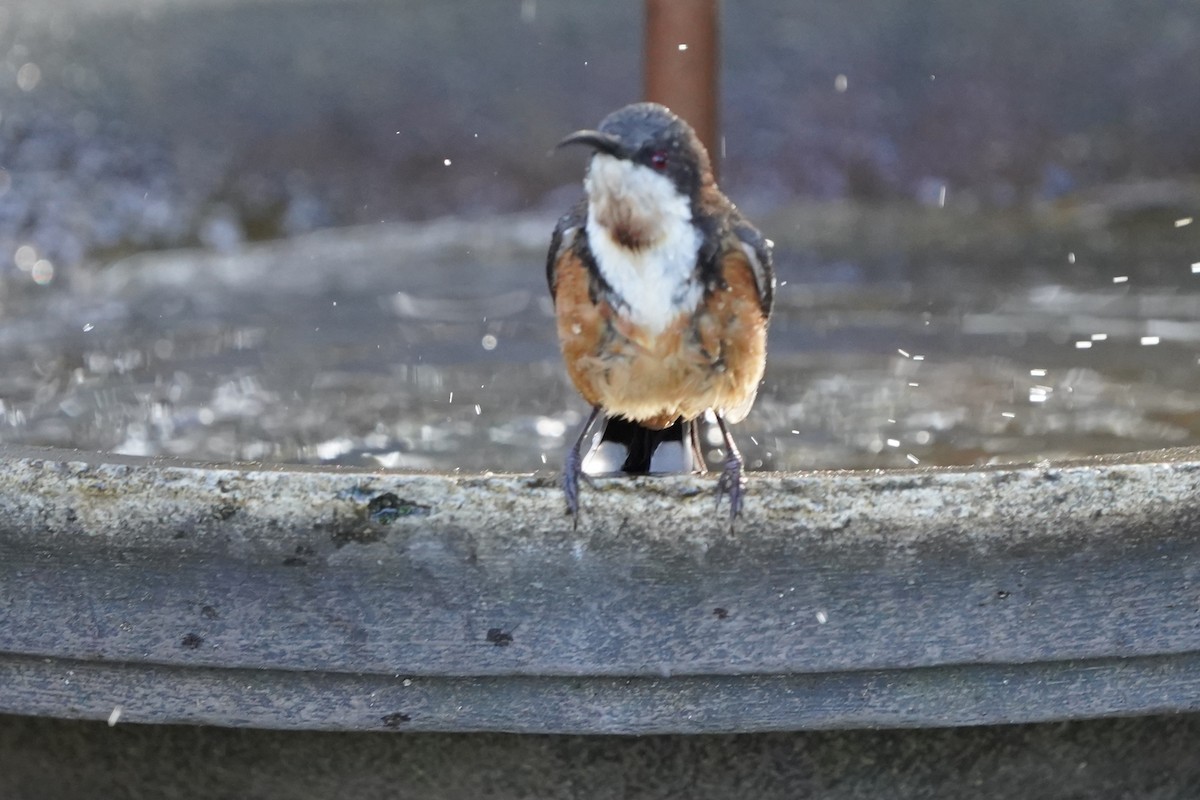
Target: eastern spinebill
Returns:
[662, 291]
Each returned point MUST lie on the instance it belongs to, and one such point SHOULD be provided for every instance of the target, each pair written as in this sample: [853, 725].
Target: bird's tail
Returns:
[631, 448]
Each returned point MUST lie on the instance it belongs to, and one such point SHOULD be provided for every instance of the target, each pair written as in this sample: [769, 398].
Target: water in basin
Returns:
[348, 348]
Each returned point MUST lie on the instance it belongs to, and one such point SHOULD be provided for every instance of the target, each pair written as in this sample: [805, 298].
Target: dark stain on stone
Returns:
[355, 532]
[499, 637]
[192, 641]
[542, 481]
[358, 493]
[380, 511]
[901, 485]
[395, 720]
[209, 612]
[720, 613]
[300, 559]
[387, 507]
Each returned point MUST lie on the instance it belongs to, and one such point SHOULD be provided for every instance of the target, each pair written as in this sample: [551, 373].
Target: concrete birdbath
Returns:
[243, 595]
[370, 535]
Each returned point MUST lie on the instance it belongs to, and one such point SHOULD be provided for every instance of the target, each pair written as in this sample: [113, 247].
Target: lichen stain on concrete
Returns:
[224, 511]
[387, 507]
[370, 523]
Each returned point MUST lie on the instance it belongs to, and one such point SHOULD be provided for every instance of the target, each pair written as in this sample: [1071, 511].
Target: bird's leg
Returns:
[573, 466]
[697, 447]
[732, 481]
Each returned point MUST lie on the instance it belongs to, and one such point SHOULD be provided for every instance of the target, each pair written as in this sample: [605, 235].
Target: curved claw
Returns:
[732, 481]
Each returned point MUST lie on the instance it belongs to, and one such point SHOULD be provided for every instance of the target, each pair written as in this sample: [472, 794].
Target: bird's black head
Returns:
[650, 135]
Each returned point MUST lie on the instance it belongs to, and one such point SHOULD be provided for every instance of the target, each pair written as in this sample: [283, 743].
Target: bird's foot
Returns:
[572, 472]
[573, 468]
[733, 483]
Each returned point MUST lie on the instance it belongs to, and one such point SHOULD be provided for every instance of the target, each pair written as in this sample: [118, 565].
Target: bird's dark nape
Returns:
[642, 443]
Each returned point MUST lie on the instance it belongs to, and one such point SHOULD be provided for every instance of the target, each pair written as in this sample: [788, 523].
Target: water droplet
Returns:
[25, 257]
[28, 77]
[42, 272]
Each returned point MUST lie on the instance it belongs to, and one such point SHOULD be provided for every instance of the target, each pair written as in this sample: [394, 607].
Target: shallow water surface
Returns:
[449, 362]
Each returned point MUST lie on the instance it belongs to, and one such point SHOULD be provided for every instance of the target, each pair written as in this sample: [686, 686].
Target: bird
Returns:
[662, 291]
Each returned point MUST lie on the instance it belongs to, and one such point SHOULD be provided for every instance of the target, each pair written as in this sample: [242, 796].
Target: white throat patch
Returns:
[654, 277]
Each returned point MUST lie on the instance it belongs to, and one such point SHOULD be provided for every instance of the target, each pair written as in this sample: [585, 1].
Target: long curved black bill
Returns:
[601, 142]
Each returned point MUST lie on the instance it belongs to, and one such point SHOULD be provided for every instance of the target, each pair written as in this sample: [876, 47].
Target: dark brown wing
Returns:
[758, 253]
[568, 226]
[719, 229]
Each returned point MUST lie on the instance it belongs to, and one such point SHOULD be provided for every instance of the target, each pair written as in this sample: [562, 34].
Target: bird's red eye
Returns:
[658, 160]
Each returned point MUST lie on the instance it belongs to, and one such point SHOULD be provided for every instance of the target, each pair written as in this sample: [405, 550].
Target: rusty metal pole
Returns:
[681, 63]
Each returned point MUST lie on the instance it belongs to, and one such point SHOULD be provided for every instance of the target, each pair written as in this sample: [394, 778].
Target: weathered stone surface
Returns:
[306, 598]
